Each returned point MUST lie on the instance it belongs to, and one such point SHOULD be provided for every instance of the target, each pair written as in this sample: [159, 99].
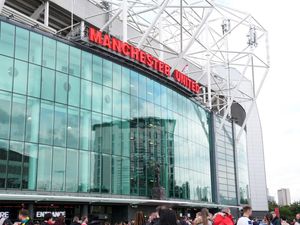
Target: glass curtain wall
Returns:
[71, 121]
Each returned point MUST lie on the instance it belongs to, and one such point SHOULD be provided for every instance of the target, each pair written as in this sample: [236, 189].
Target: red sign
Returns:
[141, 56]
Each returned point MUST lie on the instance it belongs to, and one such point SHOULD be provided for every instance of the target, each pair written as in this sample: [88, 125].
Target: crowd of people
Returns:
[165, 216]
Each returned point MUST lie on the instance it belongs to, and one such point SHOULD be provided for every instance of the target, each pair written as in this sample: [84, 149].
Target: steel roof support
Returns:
[158, 15]
[36, 14]
[1, 4]
[124, 15]
[46, 14]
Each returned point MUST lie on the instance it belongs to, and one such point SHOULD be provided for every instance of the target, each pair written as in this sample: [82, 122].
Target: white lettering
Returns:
[4, 214]
[40, 214]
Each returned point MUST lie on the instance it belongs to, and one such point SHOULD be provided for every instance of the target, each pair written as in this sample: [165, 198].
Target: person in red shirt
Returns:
[223, 218]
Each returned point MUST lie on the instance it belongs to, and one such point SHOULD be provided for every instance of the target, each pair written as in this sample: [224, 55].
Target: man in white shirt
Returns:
[244, 220]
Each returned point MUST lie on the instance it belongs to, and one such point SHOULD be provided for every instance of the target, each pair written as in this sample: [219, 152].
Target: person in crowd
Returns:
[48, 219]
[267, 219]
[153, 219]
[245, 219]
[284, 221]
[223, 218]
[297, 220]
[275, 220]
[84, 220]
[24, 217]
[139, 218]
[60, 220]
[167, 216]
[75, 221]
[205, 217]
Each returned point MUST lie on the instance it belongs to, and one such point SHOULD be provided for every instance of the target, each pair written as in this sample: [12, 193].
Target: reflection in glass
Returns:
[44, 168]
[7, 73]
[48, 81]
[3, 160]
[7, 39]
[15, 164]
[20, 77]
[58, 169]
[73, 128]
[46, 123]
[60, 125]
[62, 57]
[34, 80]
[18, 118]
[49, 51]
[22, 41]
[5, 102]
[30, 166]
[72, 170]
[35, 48]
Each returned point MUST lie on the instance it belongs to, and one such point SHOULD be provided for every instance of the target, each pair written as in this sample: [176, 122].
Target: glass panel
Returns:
[142, 87]
[62, 88]
[86, 66]
[125, 106]
[97, 98]
[72, 171]
[86, 94]
[46, 123]
[73, 128]
[22, 42]
[62, 57]
[125, 80]
[44, 168]
[97, 69]
[5, 102]
[58, 169]
[48, 79]
[30, 166]
[3, 158]
[116, 175]
[117, 137]
[95, 171]
[107, 134]
[84, 172]
[117, 103]
[7, 38]
[106, 174]
[125, 187]
[150, 92]
[49, 49]
[85, 129]
[134, 82]
[107, 100]
[32, 119]
[117, 77]
[34, 80]
[74, 66]
[96, 132]
[7, 73]
[107, 73]
[74, 91]
[15, 164]
[18, 117]
[20, 77]
[35, 48]
[60, 125]
[126, 138]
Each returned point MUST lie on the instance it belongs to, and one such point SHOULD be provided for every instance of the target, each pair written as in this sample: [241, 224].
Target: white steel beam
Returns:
[1, 4]
[36, 14]
[159, 14]
[46, 14]
[124, 15]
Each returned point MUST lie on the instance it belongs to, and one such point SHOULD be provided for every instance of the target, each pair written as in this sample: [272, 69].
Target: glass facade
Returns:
[71, 121]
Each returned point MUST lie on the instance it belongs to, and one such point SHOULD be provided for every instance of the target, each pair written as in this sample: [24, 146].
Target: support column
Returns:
[46, 14]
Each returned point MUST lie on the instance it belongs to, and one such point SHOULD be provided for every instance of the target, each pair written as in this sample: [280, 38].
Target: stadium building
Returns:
[109, 107]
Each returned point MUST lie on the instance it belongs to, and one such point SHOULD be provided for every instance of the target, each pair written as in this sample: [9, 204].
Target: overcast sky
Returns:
[279, 101]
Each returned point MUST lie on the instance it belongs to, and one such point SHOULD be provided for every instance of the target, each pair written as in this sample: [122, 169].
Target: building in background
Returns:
[284, 197]
[94, 125]
[270, 197]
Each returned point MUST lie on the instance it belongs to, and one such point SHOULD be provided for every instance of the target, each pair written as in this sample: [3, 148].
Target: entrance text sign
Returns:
[124, 48]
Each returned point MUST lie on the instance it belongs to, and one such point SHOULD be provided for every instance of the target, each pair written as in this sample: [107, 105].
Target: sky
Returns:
[279, 100]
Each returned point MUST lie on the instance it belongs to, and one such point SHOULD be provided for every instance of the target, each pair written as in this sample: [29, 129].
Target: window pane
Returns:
[125, 106]
[73, 128]
[74, 61]
[85, 129]
[107, 134]
[62, 57]
[72, 171]
[84, 172]
[96, 132]
[35, 48]
[49, 48]
[32, 119]
[60, 125]
[95, 171]
[117, 137]
[48, 78]
[97, 69]
[107, 100]
[97, 98]
[106, 174]
[142, 87]
[3, 158]
[117, 77]
[46, 123]
[134, 82]
[126, 138]
[20, 77]
[30, 166]
[125, 186]
[117, 103]
[85, 94]
[18, 117]
[58, 169]
[62, 87]
[5, 102]
[44, 168]
[150, 90]
[116, 175]
[34, 80]
[107, 73]
[7, 39]
[22, 42]
[86, 66]
[7, 73]
[125, 80]
[14, 166]
[74, 91]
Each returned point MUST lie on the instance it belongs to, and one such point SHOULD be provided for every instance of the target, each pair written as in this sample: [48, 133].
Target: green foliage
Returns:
[288, 211]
